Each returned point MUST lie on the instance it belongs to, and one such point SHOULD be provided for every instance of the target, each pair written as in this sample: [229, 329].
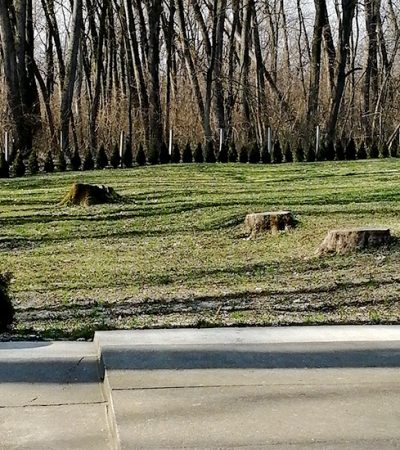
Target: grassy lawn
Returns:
[174, 253]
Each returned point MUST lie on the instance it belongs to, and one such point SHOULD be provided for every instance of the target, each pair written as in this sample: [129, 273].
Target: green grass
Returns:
[174, 253]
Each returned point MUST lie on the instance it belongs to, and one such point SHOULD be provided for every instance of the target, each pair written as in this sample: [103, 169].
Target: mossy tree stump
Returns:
[87, 194]
[272, 222]
[345, 241]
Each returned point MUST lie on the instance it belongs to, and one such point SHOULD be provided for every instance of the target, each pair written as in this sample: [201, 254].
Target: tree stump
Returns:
[269, 222]
[88, 194]
[345, 241]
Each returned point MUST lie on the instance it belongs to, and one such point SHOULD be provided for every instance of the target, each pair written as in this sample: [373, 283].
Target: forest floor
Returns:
[174, 253]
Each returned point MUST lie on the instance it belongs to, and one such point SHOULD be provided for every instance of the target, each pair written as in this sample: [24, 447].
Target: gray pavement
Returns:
[298, 387]
[51, 397]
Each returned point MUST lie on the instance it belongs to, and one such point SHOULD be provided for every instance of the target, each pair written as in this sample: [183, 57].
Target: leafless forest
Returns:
[75, 73]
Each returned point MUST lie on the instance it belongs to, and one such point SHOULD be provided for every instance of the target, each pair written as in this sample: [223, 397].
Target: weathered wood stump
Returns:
[269, 222]
[87, 194]
[346, 241]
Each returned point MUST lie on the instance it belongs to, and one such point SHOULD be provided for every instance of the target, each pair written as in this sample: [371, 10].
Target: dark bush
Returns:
[288, 153]
[310, 155]
[198, 154]
[254, 154]
[127, 155]
[384, 151]
[265, 155]
[101, 158]
[329, 150]
[340, 153]
[61, 162]
[115, 159]
[49, 163]
[374, 151]
[33, 163]
[362, 151]
[232, 153]
[243, 154]
[350, 151]
[88, 161]
[165, 157]
[6, 307]
[76, 160]
[17, 168]
[321, 154]
[176, 154]
[153, 155]
[209, 156]
[4, 167]
[394, 151]
[223, 154]
[187, 156]
[299, 153]
[141, 156]
[276, 154]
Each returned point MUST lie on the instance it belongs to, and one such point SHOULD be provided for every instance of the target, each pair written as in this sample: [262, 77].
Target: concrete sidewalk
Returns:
[297, 387]
[51, 397]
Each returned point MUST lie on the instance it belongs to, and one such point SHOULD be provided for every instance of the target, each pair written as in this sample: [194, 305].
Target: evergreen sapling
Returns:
[4, 167]
[33, 163]
[18, 167]
[187, 156]
[254, 154]
[299, 153]
[198, 154]
[76, 160]
[350, 151]
[61, 162]
[115, 159]
[362, 151]
[127, 156]
[276, 157]
[101, 158]
[374, 151]
[88, 162]
[232, 154]
[164, 155]
[141, 156]
[49, 163]
[288, 153]
[243, 155]
[265, 155]
[209, 157]
[340, 155]
[176, 154]
[154, 154]
[223, 153]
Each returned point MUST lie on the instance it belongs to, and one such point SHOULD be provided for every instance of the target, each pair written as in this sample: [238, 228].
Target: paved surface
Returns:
[300, 388]
[50, 397]
[254, 388]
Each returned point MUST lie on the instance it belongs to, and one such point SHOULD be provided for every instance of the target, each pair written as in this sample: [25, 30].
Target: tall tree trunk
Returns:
[370, 88]
[313, 93]
[155, 132]
[22, 97]
[70, 75]
[345, 29]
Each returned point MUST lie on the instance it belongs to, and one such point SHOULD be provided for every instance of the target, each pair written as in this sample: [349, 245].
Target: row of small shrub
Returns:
[252, 154]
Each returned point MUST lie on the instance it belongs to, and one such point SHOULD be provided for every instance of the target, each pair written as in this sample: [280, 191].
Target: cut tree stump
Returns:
[345, 241]
[87, 194]
[269, 222]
